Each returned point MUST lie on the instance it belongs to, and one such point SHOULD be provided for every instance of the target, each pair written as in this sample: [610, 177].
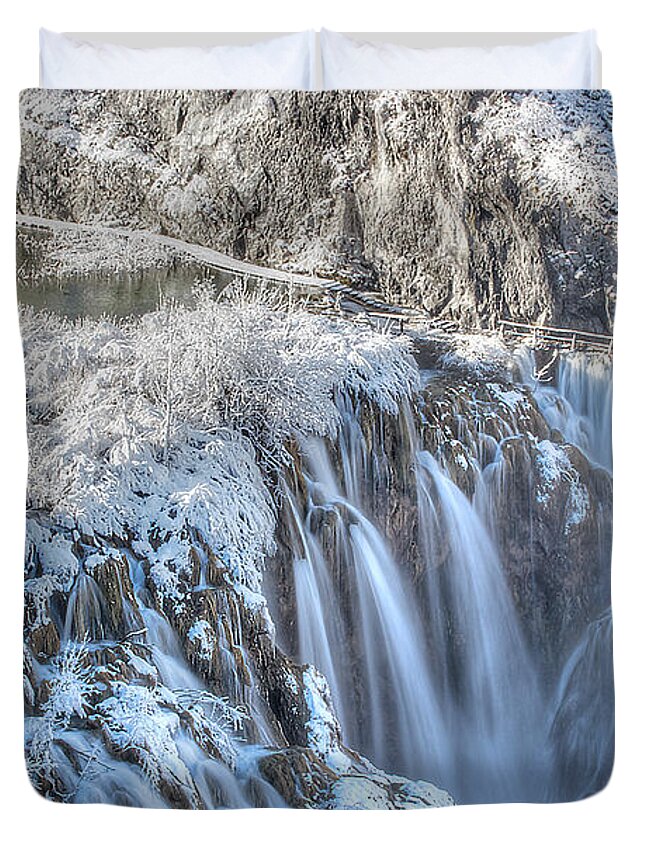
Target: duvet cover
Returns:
[319, 420]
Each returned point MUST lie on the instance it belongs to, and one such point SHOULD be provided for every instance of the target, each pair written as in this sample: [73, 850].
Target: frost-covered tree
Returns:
[171, 419]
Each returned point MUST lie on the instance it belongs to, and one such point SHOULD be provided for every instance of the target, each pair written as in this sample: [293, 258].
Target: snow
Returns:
[176, 416]
[356, 793]
[70, 685]
[323, 734]
[376, 790]
[201, 635]
[558, 160]
[70, 689]
[552, 463]
[554, 466]
[54, 553]
[134, 721]
[461, 460]
[578, 505]
[140, 666]
[165, 578]
[483, 356]
[39, 591]
[163, 431]
[509, 396]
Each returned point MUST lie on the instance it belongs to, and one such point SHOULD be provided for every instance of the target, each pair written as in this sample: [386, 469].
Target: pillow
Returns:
[566, 62]
[285, 62]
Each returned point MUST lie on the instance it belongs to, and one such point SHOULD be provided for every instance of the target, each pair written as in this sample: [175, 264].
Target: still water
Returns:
[116, 294]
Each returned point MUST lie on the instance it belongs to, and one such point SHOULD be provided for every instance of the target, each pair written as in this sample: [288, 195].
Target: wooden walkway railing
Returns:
[343, 299]
[550, 337]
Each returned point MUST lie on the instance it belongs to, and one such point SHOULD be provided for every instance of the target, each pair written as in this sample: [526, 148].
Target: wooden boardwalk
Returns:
[550, 337]
[340, 299]
[201, 254]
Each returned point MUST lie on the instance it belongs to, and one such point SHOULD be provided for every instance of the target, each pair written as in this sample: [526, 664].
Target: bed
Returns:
[319, 418]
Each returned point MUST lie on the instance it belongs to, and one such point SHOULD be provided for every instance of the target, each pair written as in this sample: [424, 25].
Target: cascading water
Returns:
[401, 600]
[431, 679]
[490, 693]
[373, 653]
[321, 637]
[575, 398]
[85, 610]
[582, 716]
[216, 784]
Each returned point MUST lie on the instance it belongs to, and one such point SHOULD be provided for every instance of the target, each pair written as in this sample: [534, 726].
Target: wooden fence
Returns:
[551, 337]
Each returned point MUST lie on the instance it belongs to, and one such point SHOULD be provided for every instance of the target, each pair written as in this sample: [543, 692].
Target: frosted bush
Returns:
[482, 356]
[213, 721]
[148, 721]
[70, 686]
[51, 553]
[38, 592]
[170, 422]
[135, 722]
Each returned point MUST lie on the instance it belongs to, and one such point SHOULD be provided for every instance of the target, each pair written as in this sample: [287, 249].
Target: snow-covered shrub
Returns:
[169, 422]
[145, 723]
[50, 554]
[213, 720]
[136, 723]
[70, 687]
[480, 356]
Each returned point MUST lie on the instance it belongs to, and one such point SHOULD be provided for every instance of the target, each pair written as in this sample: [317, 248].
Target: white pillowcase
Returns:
[566, 62]
[285, 62]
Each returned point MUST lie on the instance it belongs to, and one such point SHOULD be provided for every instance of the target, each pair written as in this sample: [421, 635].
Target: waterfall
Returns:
[396, 592]
[582, 716]
[575, 398]
[586, 383]
[372, 652]
[490, 692]
[404, 722]
[85, 617]
[429, 671]
[216, 784]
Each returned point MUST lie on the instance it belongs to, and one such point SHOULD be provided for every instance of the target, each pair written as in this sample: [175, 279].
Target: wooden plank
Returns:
[554, 329]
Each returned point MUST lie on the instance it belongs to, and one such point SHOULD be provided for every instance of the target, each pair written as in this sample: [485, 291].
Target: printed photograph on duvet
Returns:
[319, 501]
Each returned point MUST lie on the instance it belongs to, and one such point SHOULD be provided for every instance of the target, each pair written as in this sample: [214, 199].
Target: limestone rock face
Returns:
[472, 205]
[301, 778]
[554, 532]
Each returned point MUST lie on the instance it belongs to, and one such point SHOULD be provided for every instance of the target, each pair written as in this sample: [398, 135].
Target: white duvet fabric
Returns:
[566, 62]
[285, 62]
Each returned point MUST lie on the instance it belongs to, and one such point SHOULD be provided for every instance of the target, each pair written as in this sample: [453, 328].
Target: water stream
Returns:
[575, 397]
[433, 678]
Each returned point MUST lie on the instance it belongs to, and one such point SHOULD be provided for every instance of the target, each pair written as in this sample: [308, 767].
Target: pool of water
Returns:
[116, 294]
